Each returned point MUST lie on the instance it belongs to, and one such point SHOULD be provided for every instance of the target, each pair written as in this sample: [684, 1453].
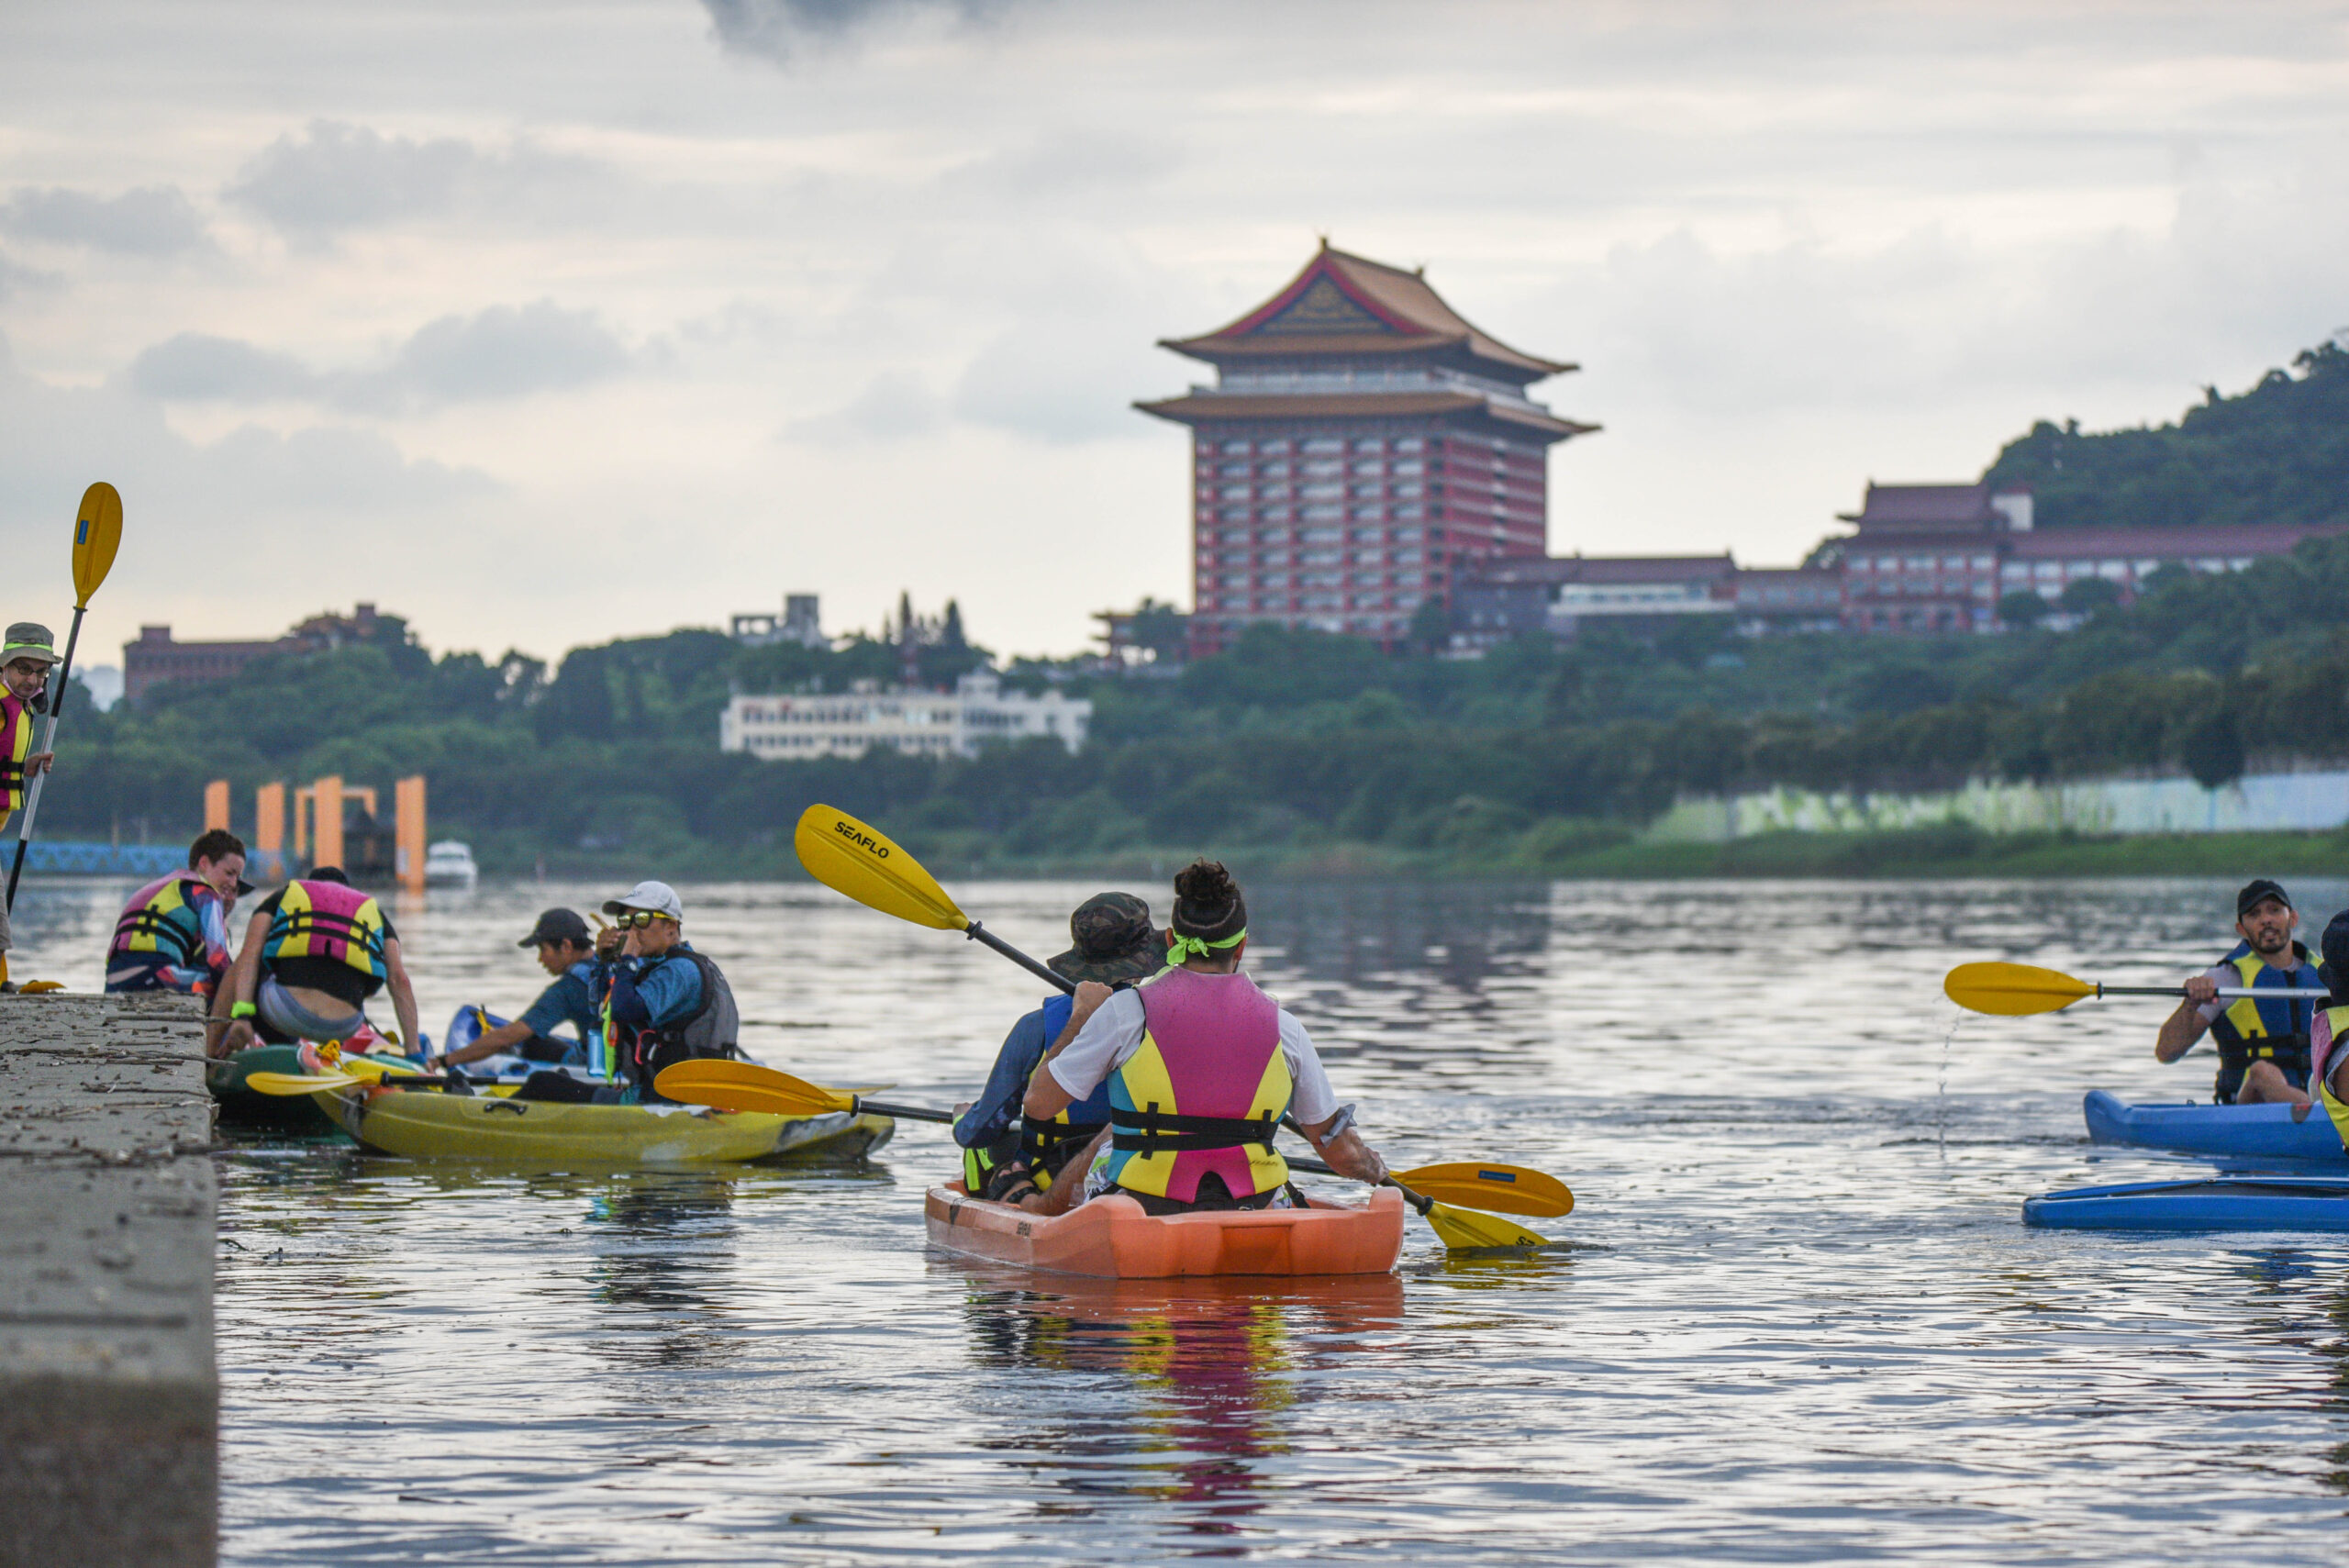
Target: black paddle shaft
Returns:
[1056, 981]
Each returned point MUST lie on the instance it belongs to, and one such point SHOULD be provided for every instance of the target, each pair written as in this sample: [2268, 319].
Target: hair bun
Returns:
[1205, 884]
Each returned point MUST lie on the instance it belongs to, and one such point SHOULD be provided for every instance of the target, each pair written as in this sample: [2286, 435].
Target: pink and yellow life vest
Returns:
[15, 745]
[1204, 1093]
[326, 919]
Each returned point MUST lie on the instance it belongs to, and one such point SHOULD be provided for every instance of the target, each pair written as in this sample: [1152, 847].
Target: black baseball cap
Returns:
[557, 926]
[2253, 892]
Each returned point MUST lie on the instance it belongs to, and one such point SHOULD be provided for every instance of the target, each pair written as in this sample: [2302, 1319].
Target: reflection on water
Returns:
[1796, 1316]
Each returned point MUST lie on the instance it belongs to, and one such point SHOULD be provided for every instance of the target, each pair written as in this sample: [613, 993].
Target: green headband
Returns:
[1183, 948]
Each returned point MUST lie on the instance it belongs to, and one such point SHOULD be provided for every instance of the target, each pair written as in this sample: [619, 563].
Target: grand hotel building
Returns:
[1362, 445]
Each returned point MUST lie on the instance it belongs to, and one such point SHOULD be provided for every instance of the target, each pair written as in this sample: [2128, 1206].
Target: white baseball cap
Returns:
[658, 897]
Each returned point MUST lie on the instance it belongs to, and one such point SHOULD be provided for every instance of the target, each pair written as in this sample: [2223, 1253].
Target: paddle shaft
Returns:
[2294, 993]
[54, 701]
[978, 933]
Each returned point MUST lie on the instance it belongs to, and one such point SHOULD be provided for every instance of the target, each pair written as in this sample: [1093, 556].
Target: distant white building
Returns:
[797, 726]
[801, 622]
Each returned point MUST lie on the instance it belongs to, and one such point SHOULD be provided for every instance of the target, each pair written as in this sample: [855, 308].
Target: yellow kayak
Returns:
[425, 1126]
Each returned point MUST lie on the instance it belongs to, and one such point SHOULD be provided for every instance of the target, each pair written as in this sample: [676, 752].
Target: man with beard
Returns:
[2263, 1041]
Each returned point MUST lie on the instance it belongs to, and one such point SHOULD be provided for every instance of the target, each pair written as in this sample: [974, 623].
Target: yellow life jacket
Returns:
[2263, 1029]
[326, 920]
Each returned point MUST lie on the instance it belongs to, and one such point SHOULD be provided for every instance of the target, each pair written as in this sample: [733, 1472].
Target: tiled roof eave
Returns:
[1219, 408]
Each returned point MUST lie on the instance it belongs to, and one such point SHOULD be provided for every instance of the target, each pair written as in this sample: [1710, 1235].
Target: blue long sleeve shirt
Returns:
[650, 993]
[992, 1114]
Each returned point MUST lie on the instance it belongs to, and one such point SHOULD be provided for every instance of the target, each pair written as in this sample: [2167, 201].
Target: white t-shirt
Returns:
[1112, 1036]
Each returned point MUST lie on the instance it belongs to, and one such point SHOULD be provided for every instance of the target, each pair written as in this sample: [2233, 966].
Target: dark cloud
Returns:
[153, 220]
[774, 27]
[335, 176]
[498, 354]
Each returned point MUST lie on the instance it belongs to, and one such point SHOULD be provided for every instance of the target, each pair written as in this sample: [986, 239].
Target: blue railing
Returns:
[64, 857]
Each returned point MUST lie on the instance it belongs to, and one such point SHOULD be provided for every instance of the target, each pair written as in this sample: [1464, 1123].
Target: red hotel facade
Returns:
[1363, 443]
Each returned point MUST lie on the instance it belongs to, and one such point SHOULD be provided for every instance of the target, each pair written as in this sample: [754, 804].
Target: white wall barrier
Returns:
[2302, 802]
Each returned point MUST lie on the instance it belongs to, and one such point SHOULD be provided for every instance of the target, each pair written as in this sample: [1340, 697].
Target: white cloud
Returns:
[335, 176]
[154, 220]
[503, 353]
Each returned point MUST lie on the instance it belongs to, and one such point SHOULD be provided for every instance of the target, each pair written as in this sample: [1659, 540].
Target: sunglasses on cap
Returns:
[632, 919]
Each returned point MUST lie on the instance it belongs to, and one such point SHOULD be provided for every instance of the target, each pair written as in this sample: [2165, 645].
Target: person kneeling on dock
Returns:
[174, 934]
[566, 951]
[665, 1003]
[1201, 1067]
[314, 950]
[1111, 943]
[2263, 1042]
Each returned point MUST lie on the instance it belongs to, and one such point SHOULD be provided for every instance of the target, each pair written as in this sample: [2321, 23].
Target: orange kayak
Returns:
[1112, 1238]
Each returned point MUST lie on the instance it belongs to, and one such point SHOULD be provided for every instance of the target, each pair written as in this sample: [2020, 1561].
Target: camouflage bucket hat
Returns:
[1115, 941]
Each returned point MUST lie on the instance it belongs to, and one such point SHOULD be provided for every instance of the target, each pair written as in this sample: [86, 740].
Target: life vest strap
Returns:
[1146, 1131]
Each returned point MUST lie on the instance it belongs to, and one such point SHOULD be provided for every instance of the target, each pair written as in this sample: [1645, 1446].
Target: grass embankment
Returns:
[1594, 852]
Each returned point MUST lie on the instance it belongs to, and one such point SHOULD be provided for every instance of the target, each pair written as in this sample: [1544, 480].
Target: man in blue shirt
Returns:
[665, 1002]
[668, 1003]
[566, 951]
[1112, 942]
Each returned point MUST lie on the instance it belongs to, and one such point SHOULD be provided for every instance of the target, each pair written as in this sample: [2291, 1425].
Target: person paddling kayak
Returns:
[2263, 1042]
[314, 950]
[2329, 1031]
[1111, 942]
[1200, 1065]
[566, 951]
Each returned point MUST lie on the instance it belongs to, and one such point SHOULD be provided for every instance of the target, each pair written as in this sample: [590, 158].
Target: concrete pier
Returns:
[109, 1399]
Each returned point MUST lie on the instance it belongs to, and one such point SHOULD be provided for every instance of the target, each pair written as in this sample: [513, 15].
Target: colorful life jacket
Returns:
[326, 919]
[2260, 1028]
[163, 923]
[15, 745]
[1204, 1093]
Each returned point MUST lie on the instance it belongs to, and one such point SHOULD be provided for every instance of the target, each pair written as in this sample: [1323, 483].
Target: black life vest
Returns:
[2259, 1029]
[711, 1031]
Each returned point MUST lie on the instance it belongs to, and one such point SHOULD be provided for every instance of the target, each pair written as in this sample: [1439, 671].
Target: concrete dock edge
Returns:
[109, 1397]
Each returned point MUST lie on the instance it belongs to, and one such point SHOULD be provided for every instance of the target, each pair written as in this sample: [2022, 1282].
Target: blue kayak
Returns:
[471, 1023]
[2245, 1133]
[2218, 1202]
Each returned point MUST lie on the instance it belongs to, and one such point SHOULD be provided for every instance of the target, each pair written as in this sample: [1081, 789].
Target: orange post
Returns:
[304, 815]
[408, 804]
[269, 819]
[216, 805]
[326, 820]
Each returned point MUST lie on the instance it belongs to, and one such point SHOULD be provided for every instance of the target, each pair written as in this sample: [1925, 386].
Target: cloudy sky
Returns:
[549, 322]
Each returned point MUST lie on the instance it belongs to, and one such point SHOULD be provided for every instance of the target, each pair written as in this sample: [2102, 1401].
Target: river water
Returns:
[1796, 1316]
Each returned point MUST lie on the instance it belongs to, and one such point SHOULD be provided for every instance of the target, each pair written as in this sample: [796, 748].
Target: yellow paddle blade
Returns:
[97, 534]
[850, 857]
[39, 987]
[1465, 1228]
[2013, 990]
[747, 1086]
[299, 1082]
[1512, 1189]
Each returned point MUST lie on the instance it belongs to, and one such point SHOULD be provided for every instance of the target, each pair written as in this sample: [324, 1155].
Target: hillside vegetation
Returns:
[1317, 748]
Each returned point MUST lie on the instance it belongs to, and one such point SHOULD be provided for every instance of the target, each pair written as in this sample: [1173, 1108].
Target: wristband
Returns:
[243, 1010]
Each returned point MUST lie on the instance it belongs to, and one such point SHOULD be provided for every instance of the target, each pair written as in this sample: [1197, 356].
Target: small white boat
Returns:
[449, 864]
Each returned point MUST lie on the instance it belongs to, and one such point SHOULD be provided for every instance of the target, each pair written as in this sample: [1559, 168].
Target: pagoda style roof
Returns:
[1203, 407]
[1348, 306]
